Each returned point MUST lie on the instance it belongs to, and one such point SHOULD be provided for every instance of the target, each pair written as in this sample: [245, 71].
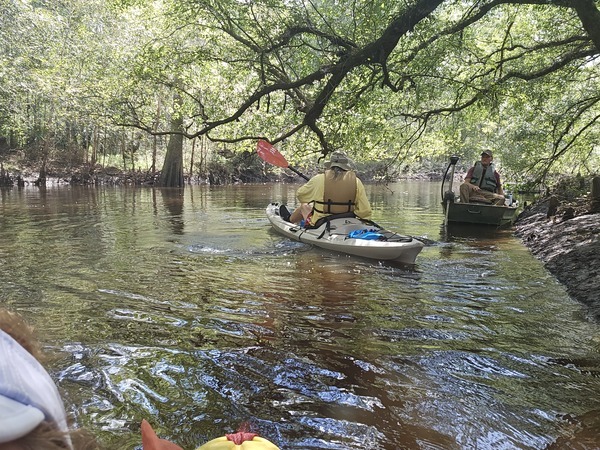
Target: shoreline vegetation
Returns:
[237, 169]
[561, 228]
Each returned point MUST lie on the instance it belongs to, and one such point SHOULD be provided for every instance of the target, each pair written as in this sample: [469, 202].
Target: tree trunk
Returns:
[590, 19]
[595, 206]
[95, 146]
[171, 174]
[192, 160]
[596, 188]
[154, 144]
[123, 149]
[155, 138]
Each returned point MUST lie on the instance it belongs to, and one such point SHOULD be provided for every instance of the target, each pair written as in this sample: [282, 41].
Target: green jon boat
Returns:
[474, 213]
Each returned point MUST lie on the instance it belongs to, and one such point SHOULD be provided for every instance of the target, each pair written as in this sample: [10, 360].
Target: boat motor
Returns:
[448, 196]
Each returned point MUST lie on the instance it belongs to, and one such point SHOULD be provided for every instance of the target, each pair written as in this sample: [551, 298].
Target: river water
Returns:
[184, 308]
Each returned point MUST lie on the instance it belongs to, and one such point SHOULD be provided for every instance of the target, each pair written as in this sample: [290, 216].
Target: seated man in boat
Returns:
[482, 183]
[336, 191]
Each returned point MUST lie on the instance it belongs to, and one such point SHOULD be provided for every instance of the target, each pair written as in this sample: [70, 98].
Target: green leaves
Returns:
[385, 80]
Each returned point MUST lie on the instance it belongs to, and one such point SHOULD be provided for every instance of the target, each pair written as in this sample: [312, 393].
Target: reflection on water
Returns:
[172, 198]
[183, 308]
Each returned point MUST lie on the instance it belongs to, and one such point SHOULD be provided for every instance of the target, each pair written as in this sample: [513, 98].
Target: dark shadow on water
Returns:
[461, 231]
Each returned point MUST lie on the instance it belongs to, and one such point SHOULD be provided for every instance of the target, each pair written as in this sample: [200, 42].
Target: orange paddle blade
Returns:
[270, 154]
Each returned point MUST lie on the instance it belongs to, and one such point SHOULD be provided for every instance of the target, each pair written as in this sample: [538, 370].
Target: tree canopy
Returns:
[388, 80]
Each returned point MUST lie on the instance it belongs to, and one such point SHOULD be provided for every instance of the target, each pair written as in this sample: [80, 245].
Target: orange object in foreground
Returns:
[239, 441]
[150, 441]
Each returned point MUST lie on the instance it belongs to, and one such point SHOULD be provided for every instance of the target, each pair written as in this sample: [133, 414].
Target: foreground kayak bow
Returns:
[236, 441]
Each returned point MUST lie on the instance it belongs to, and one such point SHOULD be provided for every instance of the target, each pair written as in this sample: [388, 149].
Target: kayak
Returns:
[350, 235]
[481, 214]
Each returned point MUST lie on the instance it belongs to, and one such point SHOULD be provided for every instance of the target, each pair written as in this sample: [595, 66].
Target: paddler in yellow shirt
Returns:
[337, 191]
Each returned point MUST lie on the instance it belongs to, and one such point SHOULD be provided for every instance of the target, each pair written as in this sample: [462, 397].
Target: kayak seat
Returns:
[328, 219]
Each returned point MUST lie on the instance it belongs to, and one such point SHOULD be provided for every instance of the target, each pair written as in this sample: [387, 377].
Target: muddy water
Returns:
[185, 309]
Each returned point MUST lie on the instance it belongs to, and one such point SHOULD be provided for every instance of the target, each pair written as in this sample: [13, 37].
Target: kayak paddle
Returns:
[270, 154]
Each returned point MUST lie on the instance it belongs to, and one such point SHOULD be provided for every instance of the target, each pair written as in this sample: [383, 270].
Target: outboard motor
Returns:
[448, 196]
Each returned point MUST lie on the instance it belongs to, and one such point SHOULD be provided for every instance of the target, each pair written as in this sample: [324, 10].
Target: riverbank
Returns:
[563, 231]
[237, 169]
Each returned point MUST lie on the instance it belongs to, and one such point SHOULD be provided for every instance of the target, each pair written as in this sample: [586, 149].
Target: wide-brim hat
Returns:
[338, 159]
[28, 394]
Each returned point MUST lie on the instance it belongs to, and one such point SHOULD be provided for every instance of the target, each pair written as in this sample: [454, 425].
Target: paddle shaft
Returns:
[270, 154]
[298, 173]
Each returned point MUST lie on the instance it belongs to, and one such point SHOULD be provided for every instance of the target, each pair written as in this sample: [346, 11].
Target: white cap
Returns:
[27, 393]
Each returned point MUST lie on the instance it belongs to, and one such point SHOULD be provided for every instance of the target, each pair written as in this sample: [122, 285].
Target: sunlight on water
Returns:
[185, 309]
